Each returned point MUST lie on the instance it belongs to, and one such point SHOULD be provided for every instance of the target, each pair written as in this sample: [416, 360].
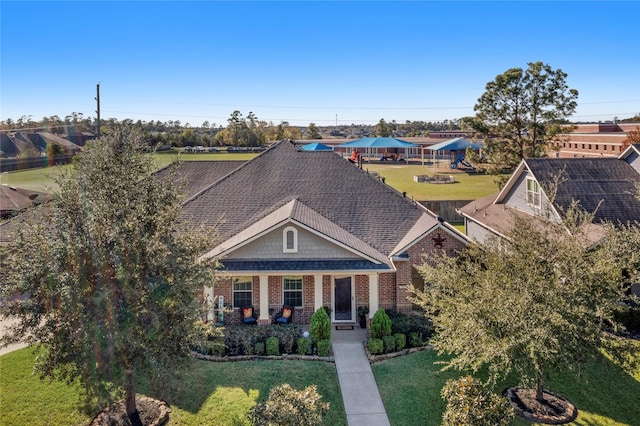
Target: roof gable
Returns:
[357, 204]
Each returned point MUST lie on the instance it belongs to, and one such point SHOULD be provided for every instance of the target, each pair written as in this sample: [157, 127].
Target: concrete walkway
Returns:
[360, 395]
[5, 350]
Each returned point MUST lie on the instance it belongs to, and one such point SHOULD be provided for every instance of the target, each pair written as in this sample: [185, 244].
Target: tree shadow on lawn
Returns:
[603, 393]
[227, 390]
[410, 388]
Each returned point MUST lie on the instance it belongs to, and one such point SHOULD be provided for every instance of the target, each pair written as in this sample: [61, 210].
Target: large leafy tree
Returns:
[383, 129]
[522, 109]
[111, 281]
[534, 299]
[313, 132]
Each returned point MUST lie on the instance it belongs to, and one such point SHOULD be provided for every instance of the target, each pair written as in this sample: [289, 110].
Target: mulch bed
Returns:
[152, 412]
[554, 409]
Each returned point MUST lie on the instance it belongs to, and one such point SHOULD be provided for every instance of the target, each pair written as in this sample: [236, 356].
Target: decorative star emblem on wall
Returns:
[438, 240]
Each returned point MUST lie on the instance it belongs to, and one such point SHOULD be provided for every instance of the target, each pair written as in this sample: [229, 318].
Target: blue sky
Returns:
[303, 62]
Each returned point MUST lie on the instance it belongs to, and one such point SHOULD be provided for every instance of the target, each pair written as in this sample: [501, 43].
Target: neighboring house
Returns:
[607, 186]
[310, 229]
[14, 201]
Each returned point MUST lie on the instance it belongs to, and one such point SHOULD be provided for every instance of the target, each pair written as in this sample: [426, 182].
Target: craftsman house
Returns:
[309, 229]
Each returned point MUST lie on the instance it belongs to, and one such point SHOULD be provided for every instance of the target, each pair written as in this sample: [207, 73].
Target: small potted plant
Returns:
[362, 314]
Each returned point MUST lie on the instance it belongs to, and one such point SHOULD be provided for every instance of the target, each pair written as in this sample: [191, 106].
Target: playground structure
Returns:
[460, 160]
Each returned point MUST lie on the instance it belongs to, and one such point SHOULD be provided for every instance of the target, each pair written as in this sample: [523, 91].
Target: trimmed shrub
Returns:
[406, 323]
[401, 341]
[376, 346]
[287, 406]
[259, 348]
[304, 346]
[415, 339]
[389, 343]
[320, 326]
[286, 334]
[272, 346]
[470, 403]
[380, 324]
[324, 347]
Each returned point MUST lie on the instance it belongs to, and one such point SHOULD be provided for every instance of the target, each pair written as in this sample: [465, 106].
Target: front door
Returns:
[343, 299]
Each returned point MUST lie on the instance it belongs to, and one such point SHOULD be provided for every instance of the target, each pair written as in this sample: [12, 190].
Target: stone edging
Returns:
[165, 410]
[377, 358]
[214, 358]
[547, 419]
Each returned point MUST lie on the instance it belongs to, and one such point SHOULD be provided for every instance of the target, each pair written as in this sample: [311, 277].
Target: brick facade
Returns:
[392, 287]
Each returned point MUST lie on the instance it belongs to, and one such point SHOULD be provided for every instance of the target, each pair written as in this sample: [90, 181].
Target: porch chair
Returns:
[248, 315]
[285, 316]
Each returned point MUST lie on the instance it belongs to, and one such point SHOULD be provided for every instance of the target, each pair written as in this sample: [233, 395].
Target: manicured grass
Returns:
[605, 394]
[466, 186]
[207, 393]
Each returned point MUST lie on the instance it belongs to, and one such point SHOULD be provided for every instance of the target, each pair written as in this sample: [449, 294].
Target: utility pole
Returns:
[98, 110]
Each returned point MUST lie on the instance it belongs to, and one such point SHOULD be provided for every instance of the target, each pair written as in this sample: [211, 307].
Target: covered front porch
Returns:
[342, 293]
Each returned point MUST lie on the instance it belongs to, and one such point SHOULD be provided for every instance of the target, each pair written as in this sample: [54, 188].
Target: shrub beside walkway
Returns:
[362, 402]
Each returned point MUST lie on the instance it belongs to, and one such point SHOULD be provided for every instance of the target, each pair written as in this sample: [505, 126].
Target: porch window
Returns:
[292, 289]
[533, 193]
[242, 291]
[290, 240]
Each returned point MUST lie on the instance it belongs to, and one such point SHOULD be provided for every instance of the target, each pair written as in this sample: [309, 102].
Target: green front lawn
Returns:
[604, 395]
[208, 393]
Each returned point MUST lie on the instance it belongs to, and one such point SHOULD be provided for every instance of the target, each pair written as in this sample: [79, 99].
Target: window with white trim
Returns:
[292, 291]
[290, 240]
[242, 291]
[533, 193]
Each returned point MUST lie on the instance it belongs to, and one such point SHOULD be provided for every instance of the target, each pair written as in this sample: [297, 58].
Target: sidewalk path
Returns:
[360, 395]
[4, 323]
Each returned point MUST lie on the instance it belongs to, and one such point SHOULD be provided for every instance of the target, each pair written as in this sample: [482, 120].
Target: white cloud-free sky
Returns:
[303, 62]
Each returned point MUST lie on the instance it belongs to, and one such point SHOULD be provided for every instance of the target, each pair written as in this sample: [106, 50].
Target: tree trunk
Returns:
[130, 399]
[539, 384]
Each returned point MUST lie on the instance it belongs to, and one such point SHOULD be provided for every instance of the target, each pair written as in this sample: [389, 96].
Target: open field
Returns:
[397, 175]
[208, 393]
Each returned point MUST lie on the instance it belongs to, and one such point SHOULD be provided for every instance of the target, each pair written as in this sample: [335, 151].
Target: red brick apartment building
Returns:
[593, 140]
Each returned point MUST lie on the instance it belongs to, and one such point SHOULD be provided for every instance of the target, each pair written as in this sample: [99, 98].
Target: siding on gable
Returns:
[310, 246]
[634, 160]
[477, 232]
[517, 198]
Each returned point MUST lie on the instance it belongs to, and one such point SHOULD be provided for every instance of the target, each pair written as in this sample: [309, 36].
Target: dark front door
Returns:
[343, 299]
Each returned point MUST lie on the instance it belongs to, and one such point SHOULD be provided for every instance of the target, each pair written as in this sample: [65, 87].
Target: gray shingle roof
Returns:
[603, 184]
[323, 181]
[198, 175]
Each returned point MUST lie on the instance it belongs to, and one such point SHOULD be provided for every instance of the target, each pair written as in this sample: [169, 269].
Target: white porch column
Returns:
[374, 298]
[317, 292]
[209, 303]
[264, 297]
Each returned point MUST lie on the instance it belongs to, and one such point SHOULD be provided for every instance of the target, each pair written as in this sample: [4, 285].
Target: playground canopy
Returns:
[378, 143]
[371, 145]
[317, 147]
[457, 144]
